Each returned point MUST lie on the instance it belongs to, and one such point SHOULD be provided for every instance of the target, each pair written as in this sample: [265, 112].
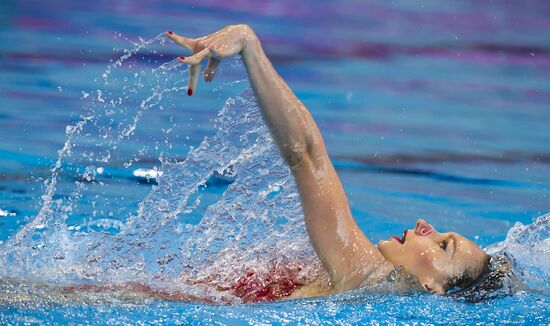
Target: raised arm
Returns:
[345, 252]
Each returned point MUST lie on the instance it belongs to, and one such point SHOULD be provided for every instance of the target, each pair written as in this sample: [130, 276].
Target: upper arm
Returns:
[346, 253]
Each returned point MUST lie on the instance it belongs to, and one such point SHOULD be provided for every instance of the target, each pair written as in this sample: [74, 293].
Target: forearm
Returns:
[291, 125]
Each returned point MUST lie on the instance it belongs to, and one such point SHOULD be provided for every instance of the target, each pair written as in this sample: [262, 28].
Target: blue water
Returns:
[428, 110]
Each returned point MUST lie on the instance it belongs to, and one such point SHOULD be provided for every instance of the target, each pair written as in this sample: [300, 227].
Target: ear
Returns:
[432, 286]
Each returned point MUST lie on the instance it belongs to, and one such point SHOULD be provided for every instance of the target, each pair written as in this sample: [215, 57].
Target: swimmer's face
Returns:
[433, 257]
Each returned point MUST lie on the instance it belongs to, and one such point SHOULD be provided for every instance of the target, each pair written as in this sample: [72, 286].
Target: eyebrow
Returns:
[451, 237]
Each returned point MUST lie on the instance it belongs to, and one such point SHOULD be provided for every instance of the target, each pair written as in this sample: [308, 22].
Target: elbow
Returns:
[295, 154]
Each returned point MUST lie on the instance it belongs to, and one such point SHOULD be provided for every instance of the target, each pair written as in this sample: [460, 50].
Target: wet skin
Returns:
[432, 256]
[348, 256]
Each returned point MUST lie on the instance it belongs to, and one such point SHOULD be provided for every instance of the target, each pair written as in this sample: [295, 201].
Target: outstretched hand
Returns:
[224, 43]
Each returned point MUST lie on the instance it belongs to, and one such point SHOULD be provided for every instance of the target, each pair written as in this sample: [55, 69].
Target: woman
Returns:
[439, 261]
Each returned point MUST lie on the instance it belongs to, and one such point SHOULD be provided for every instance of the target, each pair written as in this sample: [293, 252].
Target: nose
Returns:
[423, 228]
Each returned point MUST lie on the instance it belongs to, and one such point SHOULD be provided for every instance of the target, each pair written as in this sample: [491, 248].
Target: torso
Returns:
[277, 284]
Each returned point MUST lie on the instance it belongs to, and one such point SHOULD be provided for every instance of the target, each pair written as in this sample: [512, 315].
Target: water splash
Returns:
[231, 207]
[529, 245]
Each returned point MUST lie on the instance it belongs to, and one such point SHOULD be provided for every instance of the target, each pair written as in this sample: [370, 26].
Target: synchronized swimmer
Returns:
[440, 263]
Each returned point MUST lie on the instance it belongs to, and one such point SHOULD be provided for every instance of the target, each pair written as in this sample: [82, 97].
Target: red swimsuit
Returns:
[264, 288]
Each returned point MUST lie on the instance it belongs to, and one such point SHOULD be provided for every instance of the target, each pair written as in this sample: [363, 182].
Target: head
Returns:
[440, 261]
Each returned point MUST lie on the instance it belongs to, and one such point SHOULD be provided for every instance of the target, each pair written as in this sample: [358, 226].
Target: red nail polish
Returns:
[189, 92]
[181, 57]
[170, 32]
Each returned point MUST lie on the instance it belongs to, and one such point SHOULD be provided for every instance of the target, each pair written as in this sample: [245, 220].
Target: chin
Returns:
[384, 246]
[391, 250]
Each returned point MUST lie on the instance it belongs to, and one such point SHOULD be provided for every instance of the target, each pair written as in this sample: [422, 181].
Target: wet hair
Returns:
[495, 281]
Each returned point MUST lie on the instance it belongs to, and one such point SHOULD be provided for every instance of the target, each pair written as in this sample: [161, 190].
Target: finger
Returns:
[210, 71]
[194, 71]
[182, 40]
[195, 68]
[195, 58]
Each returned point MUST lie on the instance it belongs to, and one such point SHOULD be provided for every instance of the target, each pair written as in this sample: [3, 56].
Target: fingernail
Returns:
[181, 58]
[170, 33]
[189, 92]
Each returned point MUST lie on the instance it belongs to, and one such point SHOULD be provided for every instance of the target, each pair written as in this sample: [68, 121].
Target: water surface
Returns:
[428, 110]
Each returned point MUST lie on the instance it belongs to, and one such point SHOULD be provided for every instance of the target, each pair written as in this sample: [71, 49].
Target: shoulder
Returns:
[377, 276]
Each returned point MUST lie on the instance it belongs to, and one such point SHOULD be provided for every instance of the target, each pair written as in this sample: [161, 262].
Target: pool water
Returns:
[428, 110]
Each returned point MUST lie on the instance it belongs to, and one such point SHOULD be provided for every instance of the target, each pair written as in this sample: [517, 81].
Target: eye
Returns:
[443, 244]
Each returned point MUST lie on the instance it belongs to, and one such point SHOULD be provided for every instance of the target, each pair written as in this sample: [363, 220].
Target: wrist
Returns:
[251, 48]
[250, 42]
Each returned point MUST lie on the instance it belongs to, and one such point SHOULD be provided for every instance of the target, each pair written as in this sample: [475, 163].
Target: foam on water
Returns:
[254, 223]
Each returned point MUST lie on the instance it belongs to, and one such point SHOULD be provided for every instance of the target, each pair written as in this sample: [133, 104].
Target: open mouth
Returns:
[402, 239]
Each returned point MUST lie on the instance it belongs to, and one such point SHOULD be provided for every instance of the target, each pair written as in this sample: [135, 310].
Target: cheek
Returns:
[444, 265]
[421, 257]
[432, 259]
